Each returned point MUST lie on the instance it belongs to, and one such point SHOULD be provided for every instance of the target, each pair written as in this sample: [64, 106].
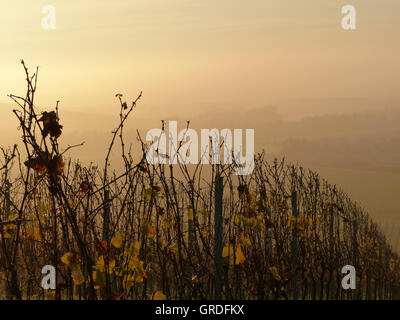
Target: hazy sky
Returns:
[187, 54]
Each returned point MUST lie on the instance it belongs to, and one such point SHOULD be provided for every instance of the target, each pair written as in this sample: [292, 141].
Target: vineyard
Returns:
[176, 231]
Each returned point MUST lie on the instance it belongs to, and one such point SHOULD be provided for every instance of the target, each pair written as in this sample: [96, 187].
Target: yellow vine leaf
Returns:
[158, 295]
[77, 276]
[116, 241]
[5, 275]
[70, 259]
[275, 273]
[236, 219]
[13, 216]
[190, 214]
[226, 251]
[240, 258]
[245, 240]
[99, 279]
[136, 248]
[100, 264]
[148, 193]
[9, 231]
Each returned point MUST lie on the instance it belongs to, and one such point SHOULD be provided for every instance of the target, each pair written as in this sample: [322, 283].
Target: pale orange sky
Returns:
[188, 55]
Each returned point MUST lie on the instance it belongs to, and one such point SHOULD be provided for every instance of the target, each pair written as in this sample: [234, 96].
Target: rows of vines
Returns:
[148, 232]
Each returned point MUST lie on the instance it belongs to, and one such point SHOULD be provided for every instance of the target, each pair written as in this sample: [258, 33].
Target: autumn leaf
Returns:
[38, 163]
[77, 276]
[136, 248]
[84, 187]
[59, 164]
[240, 258]
[71, 260]
[148, 193]
[158, 295]
[245, 240]
[227, 251]
[5, 275]
[50, 124]
[275, 273]
[101, 246]
[9, 230]
[132, 251]
[190, 214]
[236, 219]
[104, 245]
[116, 241]
[67, 258]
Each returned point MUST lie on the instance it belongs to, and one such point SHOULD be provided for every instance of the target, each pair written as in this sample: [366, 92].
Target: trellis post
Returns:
[295, 248]
[331, 231]
[218, 236]
[355, 251]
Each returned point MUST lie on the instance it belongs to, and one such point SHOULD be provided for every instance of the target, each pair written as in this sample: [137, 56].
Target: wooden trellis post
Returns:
[355, 254]
[295, 248]
[368, 280]
[218, 236]
[189, 269]
[331, 231]
[7, 209]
